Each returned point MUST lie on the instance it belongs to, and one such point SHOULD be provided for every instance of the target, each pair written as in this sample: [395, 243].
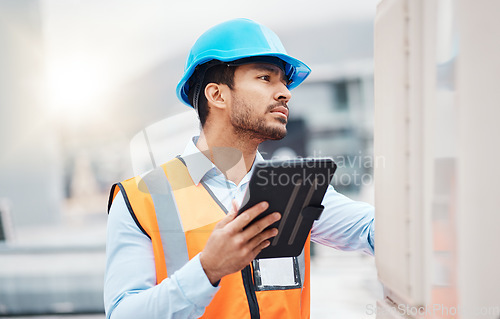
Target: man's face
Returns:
[259, 101]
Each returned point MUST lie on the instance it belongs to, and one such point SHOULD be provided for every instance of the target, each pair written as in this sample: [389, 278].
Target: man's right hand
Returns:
[231, 246]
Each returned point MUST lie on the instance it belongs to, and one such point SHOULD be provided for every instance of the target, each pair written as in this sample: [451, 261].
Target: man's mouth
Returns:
[280, 110]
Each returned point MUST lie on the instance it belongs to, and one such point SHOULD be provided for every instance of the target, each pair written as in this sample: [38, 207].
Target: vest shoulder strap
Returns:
[196, 206]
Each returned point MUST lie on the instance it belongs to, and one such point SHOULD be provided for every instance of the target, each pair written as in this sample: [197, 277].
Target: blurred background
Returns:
[82, 83]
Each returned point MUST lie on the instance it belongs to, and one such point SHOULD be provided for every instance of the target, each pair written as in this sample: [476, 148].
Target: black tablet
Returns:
[294, 188]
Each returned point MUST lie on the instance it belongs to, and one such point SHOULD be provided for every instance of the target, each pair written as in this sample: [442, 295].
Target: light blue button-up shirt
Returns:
[130, 289]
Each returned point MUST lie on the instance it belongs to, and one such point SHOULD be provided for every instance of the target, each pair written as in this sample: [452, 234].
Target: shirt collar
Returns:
[199, 165]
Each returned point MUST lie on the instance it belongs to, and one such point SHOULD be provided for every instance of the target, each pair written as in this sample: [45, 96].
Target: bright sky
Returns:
[95, 45]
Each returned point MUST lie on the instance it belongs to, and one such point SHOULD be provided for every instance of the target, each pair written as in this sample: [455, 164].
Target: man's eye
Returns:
[265, 77]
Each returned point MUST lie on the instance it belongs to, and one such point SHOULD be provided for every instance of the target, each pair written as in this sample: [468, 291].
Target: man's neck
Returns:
[233, 156]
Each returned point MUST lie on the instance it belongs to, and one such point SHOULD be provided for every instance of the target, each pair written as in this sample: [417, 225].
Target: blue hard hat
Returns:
[235, 40]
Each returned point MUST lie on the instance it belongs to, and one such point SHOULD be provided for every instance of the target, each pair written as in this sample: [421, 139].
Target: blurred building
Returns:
[30, 156]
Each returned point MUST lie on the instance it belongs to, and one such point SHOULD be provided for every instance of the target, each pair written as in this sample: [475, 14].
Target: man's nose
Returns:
[283, 94]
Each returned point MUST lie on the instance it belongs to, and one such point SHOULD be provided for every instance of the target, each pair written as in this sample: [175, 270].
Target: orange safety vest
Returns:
[179, 216]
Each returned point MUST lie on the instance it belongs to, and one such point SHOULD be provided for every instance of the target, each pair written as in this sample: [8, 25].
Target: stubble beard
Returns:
[248, 126]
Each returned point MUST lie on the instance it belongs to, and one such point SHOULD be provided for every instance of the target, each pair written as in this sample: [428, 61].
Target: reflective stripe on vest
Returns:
[169, 223]
[185, 217]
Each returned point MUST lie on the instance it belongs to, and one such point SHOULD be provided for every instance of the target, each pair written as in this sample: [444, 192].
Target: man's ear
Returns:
[216, 94]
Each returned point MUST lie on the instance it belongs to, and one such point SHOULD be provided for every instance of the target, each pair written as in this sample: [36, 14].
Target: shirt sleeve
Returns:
[130, 289]
[345, 224]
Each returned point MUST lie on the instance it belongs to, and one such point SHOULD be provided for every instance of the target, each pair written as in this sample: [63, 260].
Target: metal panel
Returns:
[404, 51]
[478, 217]
[391, 143]
[436, 123]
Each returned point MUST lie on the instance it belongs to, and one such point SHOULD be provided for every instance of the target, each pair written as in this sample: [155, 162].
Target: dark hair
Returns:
[219, 74]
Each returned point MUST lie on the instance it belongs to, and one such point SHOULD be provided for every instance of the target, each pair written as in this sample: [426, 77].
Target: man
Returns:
[176, 247]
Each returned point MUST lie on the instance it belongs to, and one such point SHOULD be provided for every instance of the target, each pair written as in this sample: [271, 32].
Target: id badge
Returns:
[277, 273]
